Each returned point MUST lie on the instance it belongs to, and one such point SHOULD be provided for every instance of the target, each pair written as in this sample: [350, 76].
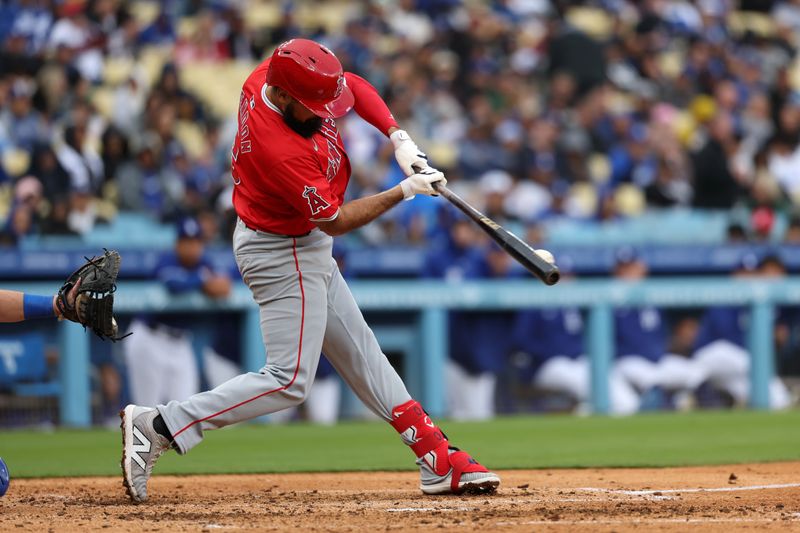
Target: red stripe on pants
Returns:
[299, 350]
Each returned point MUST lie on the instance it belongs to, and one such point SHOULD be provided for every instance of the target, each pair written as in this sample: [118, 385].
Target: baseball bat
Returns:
[513, 245]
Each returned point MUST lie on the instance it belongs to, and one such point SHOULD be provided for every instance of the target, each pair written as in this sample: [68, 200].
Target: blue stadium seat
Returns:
[132, 230]
[23, 368]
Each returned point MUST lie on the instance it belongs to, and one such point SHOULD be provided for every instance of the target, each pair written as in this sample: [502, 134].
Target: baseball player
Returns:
[479, 345]
[552, 341]
[160, 356]
[86, 297]
[642, 338]
[290, 171]
[18, 306]
[720, 347]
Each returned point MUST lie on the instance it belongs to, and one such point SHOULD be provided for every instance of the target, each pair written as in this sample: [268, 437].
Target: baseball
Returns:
[546, 255]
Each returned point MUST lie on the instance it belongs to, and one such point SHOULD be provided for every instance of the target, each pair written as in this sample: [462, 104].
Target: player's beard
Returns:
[304, 128]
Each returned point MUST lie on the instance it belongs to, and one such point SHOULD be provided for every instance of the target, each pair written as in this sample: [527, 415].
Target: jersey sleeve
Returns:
[368, 103]
[303, 185]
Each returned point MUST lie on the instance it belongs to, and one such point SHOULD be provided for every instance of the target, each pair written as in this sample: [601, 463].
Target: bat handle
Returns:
[437, 185]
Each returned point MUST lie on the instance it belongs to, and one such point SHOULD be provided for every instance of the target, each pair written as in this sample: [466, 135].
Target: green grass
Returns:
[665, 439]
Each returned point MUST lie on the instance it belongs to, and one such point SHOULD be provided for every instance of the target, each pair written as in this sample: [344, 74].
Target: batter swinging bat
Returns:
[516, 248]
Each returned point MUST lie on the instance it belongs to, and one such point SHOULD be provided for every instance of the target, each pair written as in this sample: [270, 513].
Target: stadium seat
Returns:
[187, 26]
[23, 367]
[103, 100]
[15, 161]
[132, 230]
[671, 63]
[117, 70]
[331, 15]
[592, 20]
[217, 84]
[152, 60]
[629, 200]
[144, 11]
[599, 168]
[262, 15]
[191, 137]
[760, 24]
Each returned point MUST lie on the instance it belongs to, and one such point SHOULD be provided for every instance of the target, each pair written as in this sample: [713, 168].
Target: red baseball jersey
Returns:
[283, 181]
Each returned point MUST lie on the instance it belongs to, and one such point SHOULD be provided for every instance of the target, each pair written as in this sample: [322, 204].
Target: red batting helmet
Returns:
[312, 75]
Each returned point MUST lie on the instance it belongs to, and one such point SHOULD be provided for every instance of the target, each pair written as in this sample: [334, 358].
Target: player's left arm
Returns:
[16, 306]
[357, 213]
[370, 106]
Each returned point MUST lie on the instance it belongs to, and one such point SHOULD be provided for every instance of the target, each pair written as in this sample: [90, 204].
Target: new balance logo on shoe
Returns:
[142, 447]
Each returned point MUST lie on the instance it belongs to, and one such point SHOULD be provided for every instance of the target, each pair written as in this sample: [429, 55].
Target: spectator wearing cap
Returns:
[550, 355]
[720, 347]
[160, 357]
[23, 124]
[146, 185]
[495, 187]
[642, 337]
[633, 161]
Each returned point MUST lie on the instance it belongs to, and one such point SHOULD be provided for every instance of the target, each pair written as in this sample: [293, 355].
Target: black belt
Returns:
[275, 234]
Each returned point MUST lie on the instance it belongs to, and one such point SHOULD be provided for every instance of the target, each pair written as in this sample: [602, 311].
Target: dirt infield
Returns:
[756, 497]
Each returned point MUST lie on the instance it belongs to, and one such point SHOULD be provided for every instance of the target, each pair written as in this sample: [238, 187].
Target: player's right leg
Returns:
[352, 348]
[289, 283]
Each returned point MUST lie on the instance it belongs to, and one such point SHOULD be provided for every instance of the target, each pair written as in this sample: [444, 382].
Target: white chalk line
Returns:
[615, 521]
[427, 509]
[672, 491]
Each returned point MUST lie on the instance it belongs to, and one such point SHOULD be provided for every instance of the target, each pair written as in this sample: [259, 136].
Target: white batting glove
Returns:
[407, 152]
[421, 183]
[546, 255]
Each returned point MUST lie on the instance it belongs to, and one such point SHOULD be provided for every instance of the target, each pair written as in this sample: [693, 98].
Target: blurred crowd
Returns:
[535, 108]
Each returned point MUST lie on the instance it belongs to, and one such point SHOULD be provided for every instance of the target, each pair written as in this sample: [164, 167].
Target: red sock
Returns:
[420, 433]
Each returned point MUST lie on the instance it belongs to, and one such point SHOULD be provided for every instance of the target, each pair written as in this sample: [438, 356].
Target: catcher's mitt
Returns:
[87, 297]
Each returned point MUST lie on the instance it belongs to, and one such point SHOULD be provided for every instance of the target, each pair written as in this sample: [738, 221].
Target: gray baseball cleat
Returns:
[466, 476]
[141, 448]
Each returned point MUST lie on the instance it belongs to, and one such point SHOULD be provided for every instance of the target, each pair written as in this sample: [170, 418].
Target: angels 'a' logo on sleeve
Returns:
[315, 202]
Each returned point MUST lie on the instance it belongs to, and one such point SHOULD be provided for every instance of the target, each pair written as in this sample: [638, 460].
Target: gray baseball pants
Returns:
[306, 308]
